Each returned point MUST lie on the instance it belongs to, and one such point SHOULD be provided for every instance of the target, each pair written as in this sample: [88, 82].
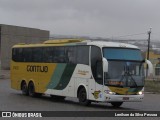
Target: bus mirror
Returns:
[105, 65]
[150, 67]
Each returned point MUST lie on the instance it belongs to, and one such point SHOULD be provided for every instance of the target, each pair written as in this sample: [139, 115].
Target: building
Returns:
[10, 35]
[154, 57]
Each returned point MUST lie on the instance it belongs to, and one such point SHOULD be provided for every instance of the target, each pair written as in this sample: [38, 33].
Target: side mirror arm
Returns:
[150, 67]
[105, 65]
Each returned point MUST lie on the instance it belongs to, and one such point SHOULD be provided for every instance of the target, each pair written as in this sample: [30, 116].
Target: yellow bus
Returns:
[89, 70]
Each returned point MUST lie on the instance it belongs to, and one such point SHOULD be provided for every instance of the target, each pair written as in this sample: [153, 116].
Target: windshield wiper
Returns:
[126, 76]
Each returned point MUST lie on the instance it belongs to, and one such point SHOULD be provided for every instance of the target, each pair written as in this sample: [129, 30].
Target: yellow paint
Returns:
[153, 55]
[123, 91]
[41, 79]
[62, 41]
[57, 42]
[96, 94]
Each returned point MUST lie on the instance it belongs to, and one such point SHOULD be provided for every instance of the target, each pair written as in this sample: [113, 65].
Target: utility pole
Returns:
[149, 38]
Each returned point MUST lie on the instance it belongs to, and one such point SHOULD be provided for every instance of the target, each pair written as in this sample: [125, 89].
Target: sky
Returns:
[122, 19]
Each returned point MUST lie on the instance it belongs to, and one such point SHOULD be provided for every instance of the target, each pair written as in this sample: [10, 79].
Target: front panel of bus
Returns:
[124, 80]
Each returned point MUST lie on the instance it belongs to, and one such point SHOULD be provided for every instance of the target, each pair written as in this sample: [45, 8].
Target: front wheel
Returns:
[116, 104]
[82, 96]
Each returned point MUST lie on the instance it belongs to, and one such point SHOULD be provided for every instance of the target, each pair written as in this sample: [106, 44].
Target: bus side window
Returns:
[48, 54]
[14, 54]
[27, 55]
[17, 54]
[96, 64]
[71, 55]
[82, 55]
[59, 55]
[37, 54]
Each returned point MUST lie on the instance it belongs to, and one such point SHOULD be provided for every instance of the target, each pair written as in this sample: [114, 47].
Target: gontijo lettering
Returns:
[34, 68]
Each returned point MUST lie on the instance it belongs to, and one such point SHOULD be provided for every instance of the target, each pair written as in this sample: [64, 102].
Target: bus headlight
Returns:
[140, 93]
[112, 93]
[109, 92]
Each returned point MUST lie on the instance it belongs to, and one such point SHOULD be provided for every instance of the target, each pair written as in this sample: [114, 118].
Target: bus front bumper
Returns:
[124, 98]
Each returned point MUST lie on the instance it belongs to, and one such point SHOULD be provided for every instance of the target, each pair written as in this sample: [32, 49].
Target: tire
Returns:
[31, 89]
[116, 104]
[82, 96]
[24, 88]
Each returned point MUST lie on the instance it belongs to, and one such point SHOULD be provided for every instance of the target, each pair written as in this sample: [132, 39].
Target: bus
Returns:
[92, 71]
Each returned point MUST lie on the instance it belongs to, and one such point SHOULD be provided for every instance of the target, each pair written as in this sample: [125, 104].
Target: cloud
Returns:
[104, 18]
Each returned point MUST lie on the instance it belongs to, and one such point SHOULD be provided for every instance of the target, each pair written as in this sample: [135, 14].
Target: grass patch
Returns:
[152, 86]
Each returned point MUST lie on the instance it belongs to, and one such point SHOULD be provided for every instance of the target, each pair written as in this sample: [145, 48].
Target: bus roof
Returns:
[65, 42]
[111, 44]
[56, 42]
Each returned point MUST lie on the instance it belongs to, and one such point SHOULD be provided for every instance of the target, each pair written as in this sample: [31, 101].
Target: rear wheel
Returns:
[82, 96]
[24, 88]
[31, 90]
[116, 104]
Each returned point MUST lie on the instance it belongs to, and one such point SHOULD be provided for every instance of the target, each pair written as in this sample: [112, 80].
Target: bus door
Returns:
[96, 83]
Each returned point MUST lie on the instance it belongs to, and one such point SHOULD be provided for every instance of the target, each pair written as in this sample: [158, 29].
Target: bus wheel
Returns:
[116, 104]
[82, 96]
[31, 89]
[24, 88]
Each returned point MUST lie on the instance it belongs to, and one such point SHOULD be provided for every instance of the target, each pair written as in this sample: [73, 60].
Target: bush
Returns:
[152, 86]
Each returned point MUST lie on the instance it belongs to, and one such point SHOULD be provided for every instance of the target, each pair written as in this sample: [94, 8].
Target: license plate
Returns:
[125, 98]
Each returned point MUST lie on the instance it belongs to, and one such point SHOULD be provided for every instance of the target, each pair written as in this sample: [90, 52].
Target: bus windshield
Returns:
[125, 67]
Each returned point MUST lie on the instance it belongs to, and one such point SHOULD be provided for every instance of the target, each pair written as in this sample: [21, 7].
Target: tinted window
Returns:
[22, 55]
[96, 64]
[59, 55]
[64, 54]
[122, 54]
[83, 54]
[48, 54]
[17, 54]
[27, 55]
[37, 54]
[71, 54]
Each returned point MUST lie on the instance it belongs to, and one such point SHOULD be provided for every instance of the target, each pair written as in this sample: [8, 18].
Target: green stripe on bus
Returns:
[66, 77]
[56, 77]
